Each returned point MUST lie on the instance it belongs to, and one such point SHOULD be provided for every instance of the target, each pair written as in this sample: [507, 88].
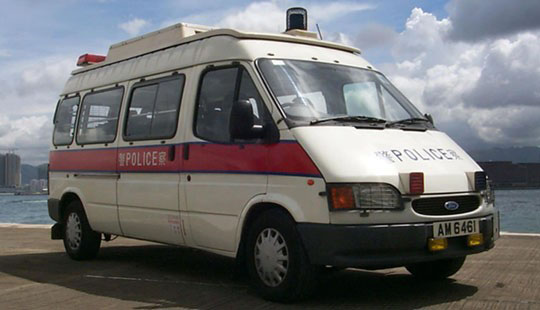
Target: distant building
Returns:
[37, 186]
[2, 170]
[505, 174]
[10, 170]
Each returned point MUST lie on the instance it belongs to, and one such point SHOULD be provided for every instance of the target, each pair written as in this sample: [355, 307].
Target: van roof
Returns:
[182, 33]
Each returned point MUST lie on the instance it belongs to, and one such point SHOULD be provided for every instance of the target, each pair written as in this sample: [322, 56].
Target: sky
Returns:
[473, 64]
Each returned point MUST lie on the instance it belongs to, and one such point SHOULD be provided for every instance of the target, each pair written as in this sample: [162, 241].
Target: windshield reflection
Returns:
[312, 91]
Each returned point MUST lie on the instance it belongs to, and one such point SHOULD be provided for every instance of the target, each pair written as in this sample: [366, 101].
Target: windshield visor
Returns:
[309, 91]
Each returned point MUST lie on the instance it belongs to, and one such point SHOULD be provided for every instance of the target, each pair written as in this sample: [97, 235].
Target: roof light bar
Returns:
[89, 59]
[297, 19]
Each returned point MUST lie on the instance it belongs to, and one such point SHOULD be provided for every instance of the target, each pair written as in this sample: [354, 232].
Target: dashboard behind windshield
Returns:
[309, 91]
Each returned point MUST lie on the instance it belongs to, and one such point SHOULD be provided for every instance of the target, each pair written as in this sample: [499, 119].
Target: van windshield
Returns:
[314, 93]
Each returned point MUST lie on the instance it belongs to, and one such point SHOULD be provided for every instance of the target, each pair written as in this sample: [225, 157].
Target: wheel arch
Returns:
[250, 213]
[68, 196]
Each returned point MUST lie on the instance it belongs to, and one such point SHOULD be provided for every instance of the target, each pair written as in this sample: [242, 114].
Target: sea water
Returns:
[519, 210]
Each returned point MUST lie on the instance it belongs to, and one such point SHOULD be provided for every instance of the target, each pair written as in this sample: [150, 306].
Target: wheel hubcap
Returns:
[271, 257]
[73, 231]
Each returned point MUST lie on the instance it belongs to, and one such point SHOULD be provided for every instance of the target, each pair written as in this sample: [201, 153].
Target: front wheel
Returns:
[436, 270]
[277, 263]
[80, 241]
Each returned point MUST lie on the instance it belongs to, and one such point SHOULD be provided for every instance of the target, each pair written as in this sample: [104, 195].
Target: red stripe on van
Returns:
[149, 159]
[290, 158]
[83, 160]
[282, 158]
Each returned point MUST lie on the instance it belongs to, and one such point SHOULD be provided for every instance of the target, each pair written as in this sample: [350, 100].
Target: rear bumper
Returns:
[383, 246]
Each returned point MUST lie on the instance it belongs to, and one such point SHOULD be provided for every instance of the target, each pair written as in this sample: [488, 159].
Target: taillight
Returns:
[416, 183]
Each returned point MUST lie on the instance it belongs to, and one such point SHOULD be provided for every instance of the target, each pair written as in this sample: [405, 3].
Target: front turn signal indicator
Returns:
[342, 198]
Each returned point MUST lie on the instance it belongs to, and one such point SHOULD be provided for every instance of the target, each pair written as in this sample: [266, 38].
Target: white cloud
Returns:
[510, 75]
[269, 16]
[333, 10]
[258, 16]
[28, 97]
[4, 53]
[483, 92]
[30, 135]
[5, 125]
[135, 26]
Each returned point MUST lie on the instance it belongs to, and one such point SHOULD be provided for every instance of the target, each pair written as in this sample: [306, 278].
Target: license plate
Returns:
[456, 228]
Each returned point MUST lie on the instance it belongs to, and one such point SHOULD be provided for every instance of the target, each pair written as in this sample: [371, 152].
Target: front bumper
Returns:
[384, 246]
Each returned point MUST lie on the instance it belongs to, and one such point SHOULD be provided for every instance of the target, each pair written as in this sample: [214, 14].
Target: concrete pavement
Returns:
[35, 273]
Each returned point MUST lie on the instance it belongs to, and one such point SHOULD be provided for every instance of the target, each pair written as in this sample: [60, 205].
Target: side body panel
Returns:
[93, 171]
[148, 187]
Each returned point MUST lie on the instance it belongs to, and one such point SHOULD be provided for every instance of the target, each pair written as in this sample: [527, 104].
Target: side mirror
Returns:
[241, 122]
[430, 118]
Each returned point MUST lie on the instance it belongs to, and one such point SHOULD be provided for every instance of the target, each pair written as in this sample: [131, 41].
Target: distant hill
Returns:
[527, 154]
[29, 172]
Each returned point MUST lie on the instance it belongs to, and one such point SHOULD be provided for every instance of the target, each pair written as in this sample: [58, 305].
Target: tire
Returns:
[277, 264]
[80, 241]
[436, 270]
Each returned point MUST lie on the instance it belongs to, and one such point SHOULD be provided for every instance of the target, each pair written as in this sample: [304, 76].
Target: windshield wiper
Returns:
[413, 120]
[349, 118]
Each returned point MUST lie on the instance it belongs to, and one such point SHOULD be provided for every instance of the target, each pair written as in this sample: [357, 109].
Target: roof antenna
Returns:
[319, 30]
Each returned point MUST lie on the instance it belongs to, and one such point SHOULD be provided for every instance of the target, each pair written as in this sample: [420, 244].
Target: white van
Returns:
[289, 153]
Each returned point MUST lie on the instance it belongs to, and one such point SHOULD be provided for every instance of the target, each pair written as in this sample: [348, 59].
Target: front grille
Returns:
[435, 206]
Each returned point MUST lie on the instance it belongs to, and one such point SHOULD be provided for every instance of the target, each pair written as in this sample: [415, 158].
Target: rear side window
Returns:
[98, 118]
[64, 123]
[219, 89]
[153, 109]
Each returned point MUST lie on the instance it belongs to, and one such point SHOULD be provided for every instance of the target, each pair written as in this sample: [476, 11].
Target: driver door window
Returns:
[219, 89]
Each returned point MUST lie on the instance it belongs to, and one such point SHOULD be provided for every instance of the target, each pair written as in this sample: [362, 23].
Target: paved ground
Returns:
[36, 273]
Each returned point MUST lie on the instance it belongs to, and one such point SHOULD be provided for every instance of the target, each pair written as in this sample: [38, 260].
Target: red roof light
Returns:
[89, 59]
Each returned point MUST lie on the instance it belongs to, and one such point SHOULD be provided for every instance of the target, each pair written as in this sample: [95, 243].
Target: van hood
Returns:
[346, 154]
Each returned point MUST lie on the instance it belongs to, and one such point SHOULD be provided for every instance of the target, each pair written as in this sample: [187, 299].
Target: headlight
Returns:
[488, 194]
[364, 196]
[480, 181]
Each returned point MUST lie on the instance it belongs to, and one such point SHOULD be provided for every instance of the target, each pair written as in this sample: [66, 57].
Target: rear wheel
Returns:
[80, 241]
[436, 270]
[277, 263]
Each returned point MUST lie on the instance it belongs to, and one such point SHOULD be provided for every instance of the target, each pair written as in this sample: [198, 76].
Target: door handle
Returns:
[186, 151]
[172, 151]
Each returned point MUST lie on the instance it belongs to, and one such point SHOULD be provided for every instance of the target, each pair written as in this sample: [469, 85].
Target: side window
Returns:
[64, 123]
[98, 119]
[153, 109]
[218, 91]
[216, 96]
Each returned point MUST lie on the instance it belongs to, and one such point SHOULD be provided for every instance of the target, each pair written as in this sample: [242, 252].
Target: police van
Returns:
[284, 151]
